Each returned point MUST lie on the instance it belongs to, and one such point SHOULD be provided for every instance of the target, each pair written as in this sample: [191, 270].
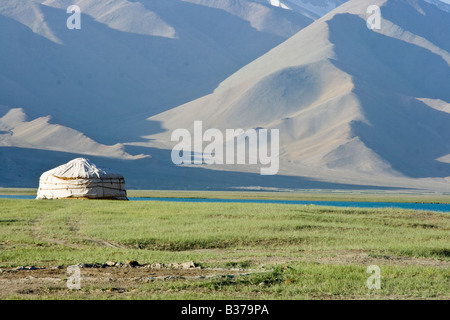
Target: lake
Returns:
[441, 207]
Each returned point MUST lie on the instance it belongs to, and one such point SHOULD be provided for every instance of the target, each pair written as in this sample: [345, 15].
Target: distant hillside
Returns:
[344, 97]
[130, 60]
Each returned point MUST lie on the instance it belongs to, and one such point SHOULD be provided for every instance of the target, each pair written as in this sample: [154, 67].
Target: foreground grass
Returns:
[294, 251]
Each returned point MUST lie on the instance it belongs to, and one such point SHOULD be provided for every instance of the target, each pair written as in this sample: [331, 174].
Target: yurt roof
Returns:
[81, 168]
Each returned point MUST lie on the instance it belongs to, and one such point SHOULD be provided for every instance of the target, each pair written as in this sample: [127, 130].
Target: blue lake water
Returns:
[17, 197]
[349, 204]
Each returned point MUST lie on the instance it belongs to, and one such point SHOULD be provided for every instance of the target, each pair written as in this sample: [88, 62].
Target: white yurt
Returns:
[80, 178]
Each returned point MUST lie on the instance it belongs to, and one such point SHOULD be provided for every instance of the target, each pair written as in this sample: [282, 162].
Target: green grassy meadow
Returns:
[291, 251]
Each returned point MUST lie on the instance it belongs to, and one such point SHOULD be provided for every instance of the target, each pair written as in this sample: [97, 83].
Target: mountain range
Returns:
[356, 108]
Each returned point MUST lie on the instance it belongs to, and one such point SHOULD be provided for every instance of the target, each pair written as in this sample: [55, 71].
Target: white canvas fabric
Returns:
[80, 178]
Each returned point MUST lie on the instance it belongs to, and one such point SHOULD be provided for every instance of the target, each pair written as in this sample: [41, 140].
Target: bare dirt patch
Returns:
[36, 282]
